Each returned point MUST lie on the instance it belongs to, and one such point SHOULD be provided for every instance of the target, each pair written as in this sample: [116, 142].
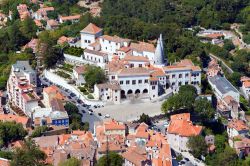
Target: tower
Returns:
[159, 53]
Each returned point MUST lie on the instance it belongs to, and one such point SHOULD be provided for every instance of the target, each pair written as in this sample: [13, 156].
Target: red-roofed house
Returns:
[179, 131]
[89, 34]
[78, 73]
[15, 118]
[73, 19]
[237, 127]
[245, 86]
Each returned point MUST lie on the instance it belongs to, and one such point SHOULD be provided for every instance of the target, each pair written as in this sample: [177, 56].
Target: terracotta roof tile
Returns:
[142, 46]
[91, 29]
[113, 125]
[237, 125]
[19, 119]
[135, 58]
[182, 126]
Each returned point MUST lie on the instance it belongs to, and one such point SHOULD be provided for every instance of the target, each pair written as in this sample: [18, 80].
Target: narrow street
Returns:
[223, 63]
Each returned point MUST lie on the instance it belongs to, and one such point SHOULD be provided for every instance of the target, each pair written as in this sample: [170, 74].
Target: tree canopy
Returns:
[28, 155]
[113, 159]
[94, 75]
[197, 146]
[204, 109]
[184, 99]
[71, 162]
[11, 131]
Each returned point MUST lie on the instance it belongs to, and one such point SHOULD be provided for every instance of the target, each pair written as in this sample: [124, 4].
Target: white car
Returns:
[107, 116]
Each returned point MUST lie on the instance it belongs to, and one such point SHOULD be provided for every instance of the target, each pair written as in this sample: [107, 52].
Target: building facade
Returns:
[21, 87]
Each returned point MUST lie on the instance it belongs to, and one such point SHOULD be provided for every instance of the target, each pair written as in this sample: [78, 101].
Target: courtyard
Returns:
[130, 111]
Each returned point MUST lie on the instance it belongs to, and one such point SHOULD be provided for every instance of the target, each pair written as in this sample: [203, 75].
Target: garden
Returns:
[66, 67]
[86, 91]
[63, 74]
[75, 51]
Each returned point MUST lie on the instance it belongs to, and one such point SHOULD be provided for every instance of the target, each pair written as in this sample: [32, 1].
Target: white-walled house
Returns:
[180, 129]
[89, 35]
[245, 86]
[237, 127]
[78, 73]
[108, 92]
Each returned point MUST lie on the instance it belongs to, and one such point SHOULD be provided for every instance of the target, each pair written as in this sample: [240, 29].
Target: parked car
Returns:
[99, 114]
[107, 116]
[83, 111]
[90, 113]
[72, 95]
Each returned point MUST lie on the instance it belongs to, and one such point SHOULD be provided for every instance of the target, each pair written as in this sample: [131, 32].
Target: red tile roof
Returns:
[113, 125]
[182, 126]
[18, 119]
[237, 125]
[91, 29]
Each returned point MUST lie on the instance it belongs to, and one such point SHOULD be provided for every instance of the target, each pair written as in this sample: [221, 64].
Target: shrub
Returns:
[90, 96]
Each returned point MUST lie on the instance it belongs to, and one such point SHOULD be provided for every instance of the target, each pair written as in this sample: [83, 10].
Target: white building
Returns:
[245, 86]
[222, 88]
[180, 130]
[21, 87]
[236, 128]
[108, 92]
[78, 73]
[139, 68]
[183, 73]
[89, 35]
[227, 96]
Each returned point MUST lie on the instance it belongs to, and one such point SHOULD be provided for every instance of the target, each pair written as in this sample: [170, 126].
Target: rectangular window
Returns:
[121, 82]
[133, 82]
[127, 82]
[113, 77]
[140, 65]
[146, 81]
[186, 75]
[153, 87]
[173, 76]
[139, 81]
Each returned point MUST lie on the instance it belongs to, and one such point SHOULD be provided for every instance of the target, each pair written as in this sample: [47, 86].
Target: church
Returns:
[134, 69]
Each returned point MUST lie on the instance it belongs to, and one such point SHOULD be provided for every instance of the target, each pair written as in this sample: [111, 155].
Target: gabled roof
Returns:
[181, 125]
[91, 29]
[237, 125]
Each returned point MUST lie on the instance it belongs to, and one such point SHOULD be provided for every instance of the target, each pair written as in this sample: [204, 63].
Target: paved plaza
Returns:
[130, 111]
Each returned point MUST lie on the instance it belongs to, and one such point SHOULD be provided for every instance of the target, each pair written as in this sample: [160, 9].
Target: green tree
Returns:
[204, 109]
[229, 157]
[39, 131]
[197, 146]
[29, 155]
[228, 45]
[71, 162]
[145, 119]
[11, 131]
[94, 75]
[113, 159]
[28, 28]
[183, 100]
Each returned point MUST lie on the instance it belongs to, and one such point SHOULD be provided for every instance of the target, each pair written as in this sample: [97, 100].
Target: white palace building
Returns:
[134, 69]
